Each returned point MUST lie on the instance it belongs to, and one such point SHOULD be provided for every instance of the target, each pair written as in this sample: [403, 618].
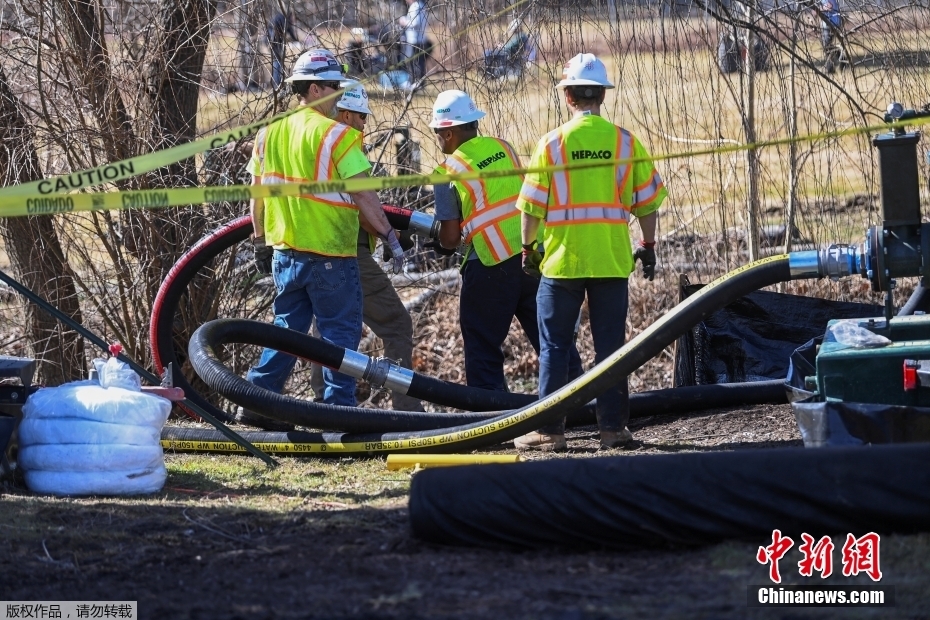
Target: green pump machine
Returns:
[872, 376]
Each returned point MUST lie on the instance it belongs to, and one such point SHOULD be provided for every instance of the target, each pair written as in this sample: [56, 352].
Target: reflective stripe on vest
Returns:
[561, 208]
[647, 192]
[492, 228]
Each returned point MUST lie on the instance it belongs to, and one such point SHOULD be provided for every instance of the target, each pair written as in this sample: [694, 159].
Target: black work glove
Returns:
[531, 260]
[647, 256]
[263, 254]
[435, 246]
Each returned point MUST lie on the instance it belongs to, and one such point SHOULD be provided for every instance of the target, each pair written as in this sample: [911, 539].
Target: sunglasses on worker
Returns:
[329, 85]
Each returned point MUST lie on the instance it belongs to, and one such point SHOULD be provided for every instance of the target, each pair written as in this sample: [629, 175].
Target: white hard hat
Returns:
[354, 98]
[454, 107]
[317, 64]
[584, 70]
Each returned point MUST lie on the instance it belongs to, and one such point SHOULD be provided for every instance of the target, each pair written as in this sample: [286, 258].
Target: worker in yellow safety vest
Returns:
[588, 251]
[308, 242]
[482, 212]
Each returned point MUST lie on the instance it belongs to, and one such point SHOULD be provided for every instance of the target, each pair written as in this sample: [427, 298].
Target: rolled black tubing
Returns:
[512, 424]
[432, 390]
[209, 336]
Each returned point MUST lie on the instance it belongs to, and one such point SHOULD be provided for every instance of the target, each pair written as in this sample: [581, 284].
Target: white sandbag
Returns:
[97, 482]
[34, 431]
[74, 457]
[87, 400]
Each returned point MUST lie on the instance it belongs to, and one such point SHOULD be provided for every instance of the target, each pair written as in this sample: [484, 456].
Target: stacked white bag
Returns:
[94, 437]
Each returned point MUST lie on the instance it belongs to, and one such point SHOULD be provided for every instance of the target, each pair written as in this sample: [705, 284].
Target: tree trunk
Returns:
[36, 255]
[83, 28]
[174, 81]
[173, 84]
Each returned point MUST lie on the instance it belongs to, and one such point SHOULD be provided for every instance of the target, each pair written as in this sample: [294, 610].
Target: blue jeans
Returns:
[310, 285]
[558, 302]
[491, 297]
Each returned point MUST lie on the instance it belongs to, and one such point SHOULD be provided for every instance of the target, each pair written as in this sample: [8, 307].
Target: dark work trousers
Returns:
[559, 301]
[491, 297]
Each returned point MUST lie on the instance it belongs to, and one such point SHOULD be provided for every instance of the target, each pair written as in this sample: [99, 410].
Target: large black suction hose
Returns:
[512, 424]
[382, 372]
[681, 400]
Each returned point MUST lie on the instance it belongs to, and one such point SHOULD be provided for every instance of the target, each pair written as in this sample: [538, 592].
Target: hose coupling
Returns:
[424, 225]
[379, 372]
[838, 261]
[834, 262]
[804, 265]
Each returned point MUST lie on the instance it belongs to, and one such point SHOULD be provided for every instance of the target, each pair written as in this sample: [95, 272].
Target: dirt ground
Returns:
[333, 541]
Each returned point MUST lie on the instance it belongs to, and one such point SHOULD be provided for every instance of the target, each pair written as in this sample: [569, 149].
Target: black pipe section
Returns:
[512, 423]
[686, 400]
[202, 354]
[672, 401]
[397, 217]
[917, 301]
[680, 499]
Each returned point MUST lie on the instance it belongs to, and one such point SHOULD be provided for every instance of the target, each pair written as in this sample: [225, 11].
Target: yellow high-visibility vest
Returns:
[587, 211]
[490, 220]
[304, 147]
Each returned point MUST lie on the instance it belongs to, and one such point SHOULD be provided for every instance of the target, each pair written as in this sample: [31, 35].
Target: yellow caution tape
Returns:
[42, 197]
[134, 166]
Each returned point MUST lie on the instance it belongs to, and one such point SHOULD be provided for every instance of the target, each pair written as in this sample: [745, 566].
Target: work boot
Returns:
[613, 439]
[541, 441]
[249, 417]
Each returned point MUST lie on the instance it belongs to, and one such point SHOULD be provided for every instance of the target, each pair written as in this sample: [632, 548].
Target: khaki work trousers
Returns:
[384, 313]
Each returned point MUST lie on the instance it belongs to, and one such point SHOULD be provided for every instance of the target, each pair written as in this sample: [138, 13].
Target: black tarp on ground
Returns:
[682, 499]
[752, 339]
[858, 424]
